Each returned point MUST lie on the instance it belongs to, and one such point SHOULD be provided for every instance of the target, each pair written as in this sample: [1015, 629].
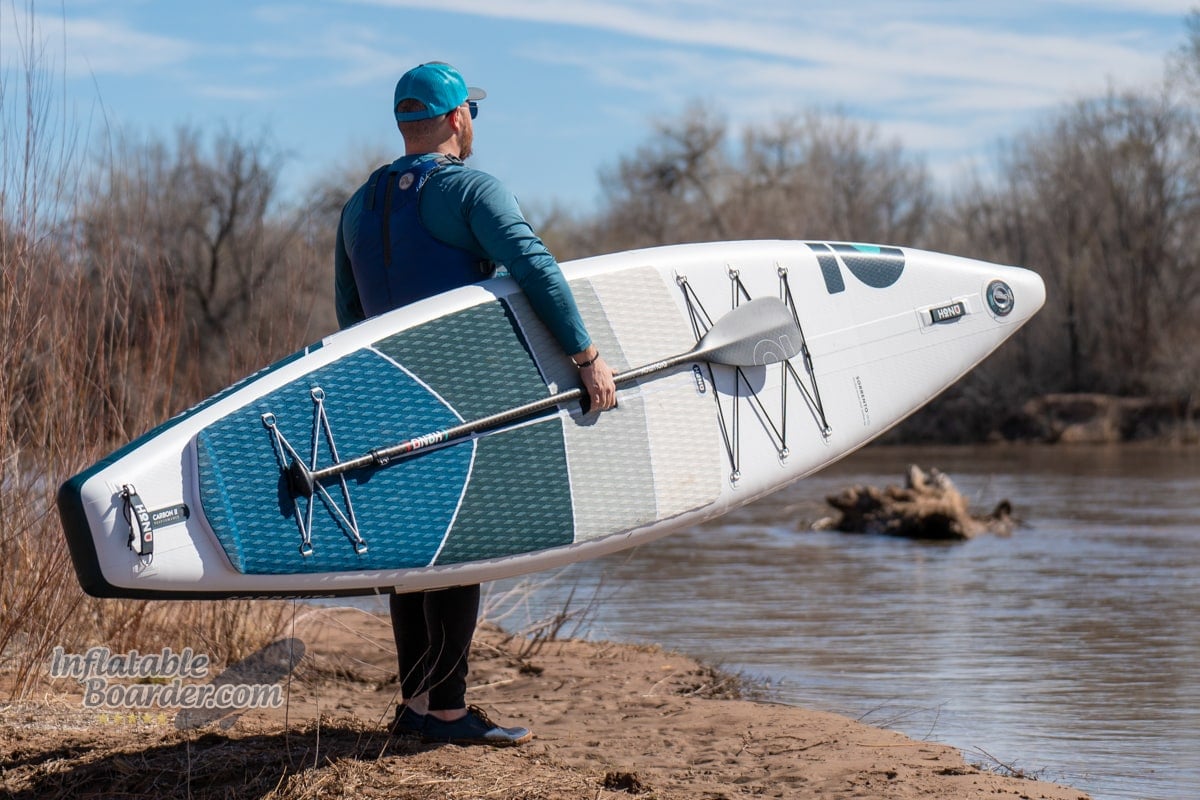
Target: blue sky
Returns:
[574, 85]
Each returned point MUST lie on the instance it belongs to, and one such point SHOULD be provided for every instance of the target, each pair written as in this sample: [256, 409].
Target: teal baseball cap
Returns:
[436, 84]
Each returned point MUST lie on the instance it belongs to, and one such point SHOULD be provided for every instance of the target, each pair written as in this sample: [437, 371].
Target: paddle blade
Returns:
[762, 331]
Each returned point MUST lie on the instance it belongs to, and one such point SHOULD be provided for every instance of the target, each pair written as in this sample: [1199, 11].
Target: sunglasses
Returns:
[472, 107]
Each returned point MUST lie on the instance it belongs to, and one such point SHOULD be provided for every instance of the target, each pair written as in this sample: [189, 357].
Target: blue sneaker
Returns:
[474, 728]
[407, 722]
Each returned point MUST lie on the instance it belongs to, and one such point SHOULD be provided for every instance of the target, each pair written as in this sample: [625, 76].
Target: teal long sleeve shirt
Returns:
[474, 211]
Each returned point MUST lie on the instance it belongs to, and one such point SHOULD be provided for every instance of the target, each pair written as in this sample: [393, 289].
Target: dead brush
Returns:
[95, 348]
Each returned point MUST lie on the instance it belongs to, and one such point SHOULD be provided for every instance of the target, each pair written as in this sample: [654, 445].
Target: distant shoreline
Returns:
[1053, 419]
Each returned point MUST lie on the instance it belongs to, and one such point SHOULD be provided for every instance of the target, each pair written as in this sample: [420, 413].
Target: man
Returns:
[422, 225]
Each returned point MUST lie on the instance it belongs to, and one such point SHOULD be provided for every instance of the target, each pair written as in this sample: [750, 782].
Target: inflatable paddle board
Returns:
[444, 443]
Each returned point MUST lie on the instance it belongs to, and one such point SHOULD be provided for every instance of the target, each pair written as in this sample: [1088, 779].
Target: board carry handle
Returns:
[756, 333]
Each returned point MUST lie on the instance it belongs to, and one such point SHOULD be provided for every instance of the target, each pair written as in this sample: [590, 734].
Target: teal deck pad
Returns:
[519, 499]
[403, 510]
[474, 361]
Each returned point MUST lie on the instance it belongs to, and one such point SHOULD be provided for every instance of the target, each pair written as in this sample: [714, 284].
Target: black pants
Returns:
[433, 632]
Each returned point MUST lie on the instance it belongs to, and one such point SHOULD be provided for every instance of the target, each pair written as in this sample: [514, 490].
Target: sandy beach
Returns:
[611, 721]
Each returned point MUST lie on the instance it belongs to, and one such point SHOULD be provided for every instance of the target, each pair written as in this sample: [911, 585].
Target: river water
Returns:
[1069, 651]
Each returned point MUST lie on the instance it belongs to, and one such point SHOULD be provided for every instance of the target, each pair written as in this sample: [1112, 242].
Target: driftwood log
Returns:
[928, 506]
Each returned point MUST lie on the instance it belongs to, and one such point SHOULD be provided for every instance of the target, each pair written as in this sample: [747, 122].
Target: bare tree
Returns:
[822, 178]
[1104, 202]
[670, 190]
[829, 177]
[203, 224]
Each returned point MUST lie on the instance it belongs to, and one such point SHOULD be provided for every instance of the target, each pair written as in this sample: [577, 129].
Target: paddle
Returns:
[762, 331]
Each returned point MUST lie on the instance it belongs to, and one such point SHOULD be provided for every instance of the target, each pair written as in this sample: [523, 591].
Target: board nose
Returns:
[1015, 294]
[1036, 288]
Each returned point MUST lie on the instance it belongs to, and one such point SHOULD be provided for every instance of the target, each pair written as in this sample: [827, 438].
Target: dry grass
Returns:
[82, 373]
[93, 351]
[334, 757]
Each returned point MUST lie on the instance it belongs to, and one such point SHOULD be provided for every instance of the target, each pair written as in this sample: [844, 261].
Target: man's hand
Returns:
[597, 378]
